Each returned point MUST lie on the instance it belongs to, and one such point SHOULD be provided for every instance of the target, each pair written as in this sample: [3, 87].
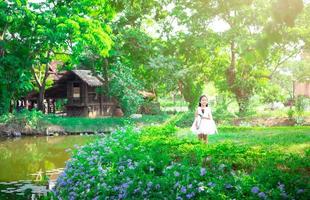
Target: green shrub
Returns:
[124, 87]
[184, 120]
[300, 107]
[150, 107]
[25, 118]
[154, 164]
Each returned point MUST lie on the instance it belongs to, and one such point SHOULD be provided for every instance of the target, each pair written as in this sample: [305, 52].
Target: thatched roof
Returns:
[88, 77]
[146, 94]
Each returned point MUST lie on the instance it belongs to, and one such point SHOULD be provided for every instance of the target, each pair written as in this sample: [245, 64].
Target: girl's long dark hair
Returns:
[199, 104]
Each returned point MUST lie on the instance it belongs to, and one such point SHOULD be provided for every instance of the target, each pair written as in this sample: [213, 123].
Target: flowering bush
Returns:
[154, 164]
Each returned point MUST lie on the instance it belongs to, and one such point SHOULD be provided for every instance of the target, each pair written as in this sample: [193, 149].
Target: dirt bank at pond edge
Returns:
[51, 130]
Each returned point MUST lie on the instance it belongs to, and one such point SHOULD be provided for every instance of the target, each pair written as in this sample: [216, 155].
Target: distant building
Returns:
[80, 89]
[301, 89]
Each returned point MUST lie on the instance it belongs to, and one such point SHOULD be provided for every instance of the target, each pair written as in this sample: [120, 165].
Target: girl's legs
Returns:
[203, 137]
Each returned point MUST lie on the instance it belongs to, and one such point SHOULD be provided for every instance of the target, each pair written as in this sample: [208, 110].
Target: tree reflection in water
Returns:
[21, 157]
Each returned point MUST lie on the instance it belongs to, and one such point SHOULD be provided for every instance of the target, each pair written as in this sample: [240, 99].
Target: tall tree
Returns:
[72, 27]
[253, 45]
[51, 28]
[15, 55]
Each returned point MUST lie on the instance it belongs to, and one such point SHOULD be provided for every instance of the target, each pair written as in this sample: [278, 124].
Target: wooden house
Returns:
[81, 90]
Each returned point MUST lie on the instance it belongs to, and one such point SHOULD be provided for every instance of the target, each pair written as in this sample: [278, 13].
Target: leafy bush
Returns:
[185, 119]
[297, 112]
[125, 88]
[5, 118]
[301, 104]
[25, 118]
[300, 107]
[150, 107]
[221, 111]
[154, 164]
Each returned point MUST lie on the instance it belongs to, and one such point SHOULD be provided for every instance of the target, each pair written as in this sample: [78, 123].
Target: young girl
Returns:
[203, 124]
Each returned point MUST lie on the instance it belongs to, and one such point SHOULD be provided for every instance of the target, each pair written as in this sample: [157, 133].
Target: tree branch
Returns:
[36, 78]
[280, 62]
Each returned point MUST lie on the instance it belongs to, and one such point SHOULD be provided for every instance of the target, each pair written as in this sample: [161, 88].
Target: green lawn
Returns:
[288, 139]
[84, 124]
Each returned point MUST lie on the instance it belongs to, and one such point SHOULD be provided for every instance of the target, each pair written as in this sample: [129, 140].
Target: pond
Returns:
[25, 159]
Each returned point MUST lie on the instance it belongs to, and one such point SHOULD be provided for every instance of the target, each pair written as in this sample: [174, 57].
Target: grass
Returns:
[80, 124]
[286, 139]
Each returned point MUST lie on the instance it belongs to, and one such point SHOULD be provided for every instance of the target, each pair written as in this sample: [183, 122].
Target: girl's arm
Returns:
[196, 114]
[196, 119]
[210, 114]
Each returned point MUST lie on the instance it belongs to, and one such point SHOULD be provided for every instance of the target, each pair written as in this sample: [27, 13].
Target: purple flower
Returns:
[115, 188]
[281, 187]
[228, 186]
[255, 190]
[201, 188]
[299, 191]
[72, 194]
[149, 184]
[211, 184]
[121, 196]
[177, 184]
[183, 189]
[262, 195]
[189, 196]
[176, 174]
[202, 171]
[125, 185]
[136, 190]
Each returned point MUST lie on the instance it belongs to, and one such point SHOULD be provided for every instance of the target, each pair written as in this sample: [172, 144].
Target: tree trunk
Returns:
[106, 77]
[242, 96]
[42, 84]
[41, 99]
[4, 100]
[4, 96]
[243, 103]
[231, 71]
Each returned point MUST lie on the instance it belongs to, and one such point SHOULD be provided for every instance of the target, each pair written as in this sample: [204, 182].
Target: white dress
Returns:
[205, 126]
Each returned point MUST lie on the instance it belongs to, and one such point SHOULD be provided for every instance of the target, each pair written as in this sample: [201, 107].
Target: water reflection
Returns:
[21, 157]
[21, 190]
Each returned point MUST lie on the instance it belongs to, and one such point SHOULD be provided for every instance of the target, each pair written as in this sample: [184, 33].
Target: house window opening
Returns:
[76, 90]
